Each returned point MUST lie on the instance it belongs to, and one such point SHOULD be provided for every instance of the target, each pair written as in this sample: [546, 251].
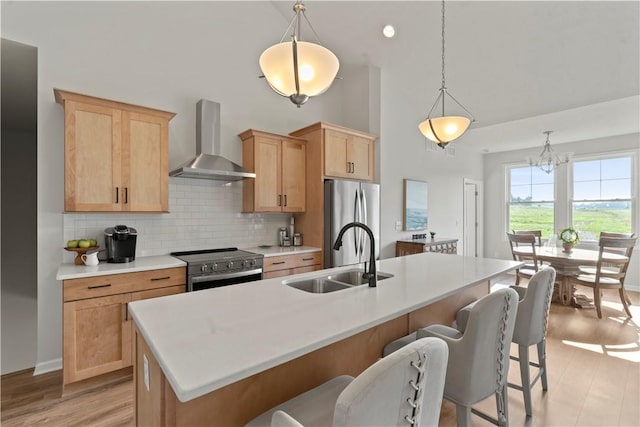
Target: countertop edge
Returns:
[275, 250]
[72, 271]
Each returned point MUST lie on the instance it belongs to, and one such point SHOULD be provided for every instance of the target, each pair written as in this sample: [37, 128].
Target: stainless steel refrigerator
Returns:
[344, 202]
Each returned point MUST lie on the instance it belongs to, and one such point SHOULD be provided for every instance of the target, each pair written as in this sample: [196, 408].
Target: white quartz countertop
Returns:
[281, 250]
[72, 271]
[236, 331]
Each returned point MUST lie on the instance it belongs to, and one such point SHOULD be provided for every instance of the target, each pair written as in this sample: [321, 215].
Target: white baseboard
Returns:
[48, 366]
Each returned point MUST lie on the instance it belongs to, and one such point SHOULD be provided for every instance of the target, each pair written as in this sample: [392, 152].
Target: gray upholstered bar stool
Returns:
[404, 389]
[479, 357]
[530, 329]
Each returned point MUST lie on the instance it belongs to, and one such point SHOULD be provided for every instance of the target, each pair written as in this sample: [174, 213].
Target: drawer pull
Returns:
[99, 286]
[160, 278]
[307, 259]
[279, 262]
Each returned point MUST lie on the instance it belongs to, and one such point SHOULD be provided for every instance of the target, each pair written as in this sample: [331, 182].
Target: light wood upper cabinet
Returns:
[360, 153]
[279, 163]
[346, 153]
[116, 155]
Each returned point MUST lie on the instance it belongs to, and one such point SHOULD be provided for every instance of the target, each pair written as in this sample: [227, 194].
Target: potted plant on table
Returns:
[569, 237]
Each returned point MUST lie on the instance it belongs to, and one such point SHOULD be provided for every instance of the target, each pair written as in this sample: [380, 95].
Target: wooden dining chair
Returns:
[616, 235]
[537, 233]
[609, 273]
[532, 264]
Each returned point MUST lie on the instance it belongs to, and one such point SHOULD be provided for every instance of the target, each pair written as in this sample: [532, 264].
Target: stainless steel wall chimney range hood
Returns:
[208, 164]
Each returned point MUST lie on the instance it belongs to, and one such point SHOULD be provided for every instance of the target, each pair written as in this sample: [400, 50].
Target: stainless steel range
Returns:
[212, 268]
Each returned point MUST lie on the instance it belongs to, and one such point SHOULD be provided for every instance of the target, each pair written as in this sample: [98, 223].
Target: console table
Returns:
[415, 246]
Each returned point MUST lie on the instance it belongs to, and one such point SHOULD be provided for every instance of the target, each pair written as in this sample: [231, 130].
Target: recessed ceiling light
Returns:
[389, 31]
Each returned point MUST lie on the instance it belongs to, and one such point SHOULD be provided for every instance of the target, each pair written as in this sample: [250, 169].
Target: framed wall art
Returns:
[415, 205]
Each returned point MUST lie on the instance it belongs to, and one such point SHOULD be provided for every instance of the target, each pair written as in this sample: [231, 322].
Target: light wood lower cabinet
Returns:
[97, 330]
[287, 265]
[97, 337]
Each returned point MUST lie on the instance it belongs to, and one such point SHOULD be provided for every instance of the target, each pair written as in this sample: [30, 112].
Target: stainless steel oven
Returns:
[212, 268]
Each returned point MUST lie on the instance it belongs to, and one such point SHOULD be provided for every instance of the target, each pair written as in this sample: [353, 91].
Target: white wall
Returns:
[495, 212]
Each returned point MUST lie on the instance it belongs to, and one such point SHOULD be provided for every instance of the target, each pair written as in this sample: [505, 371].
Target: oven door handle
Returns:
[209, 277]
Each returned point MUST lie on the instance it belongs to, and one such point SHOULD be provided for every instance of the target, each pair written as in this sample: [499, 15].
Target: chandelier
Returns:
[548, 159]
[298, 69]
[444, 129]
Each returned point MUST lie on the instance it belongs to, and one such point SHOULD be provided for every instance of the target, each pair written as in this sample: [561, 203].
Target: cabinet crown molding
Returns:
[62, 96]
[326, 125]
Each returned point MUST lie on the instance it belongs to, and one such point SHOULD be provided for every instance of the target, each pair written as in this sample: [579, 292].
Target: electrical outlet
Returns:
[398, 225]
[146, 371]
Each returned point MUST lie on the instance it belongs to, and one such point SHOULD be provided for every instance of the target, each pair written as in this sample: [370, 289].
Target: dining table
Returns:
[567, 266]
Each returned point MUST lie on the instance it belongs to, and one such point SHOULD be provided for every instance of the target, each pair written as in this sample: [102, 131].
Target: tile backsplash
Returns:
[203, 214]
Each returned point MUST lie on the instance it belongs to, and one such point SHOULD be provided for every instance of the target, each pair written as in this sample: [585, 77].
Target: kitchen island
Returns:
[222, 356]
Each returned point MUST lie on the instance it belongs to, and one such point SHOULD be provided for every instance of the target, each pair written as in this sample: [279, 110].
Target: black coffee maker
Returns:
[120, 242]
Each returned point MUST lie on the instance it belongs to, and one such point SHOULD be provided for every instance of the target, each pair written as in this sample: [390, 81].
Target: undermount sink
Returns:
[320, 285]
[333, 282]
[355, 277]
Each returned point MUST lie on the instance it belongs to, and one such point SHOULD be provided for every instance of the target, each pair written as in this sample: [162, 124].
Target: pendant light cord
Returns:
[443, 81]
[443, 88]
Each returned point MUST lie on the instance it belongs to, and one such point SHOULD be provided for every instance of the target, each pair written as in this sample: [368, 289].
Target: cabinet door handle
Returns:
[348, 167]
[285, 200]
[126, 195]
[99, 286]
[307, 259]
[353, 167]
[153, 279]
[279, 199]
[279, 262]
[117, 195]
[126, 311]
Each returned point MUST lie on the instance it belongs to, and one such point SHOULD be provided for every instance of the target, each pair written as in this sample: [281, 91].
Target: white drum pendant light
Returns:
[298, 69]
[444, 129]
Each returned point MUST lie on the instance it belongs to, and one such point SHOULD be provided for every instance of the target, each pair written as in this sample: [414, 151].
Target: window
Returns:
[531, 200]
[602, 199]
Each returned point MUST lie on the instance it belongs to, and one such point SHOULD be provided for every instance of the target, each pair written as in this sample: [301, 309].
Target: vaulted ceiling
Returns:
[507, 61]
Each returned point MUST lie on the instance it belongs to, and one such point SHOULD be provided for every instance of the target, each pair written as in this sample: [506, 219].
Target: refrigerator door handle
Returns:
[365, 219]
[356, 218]
[360, 235]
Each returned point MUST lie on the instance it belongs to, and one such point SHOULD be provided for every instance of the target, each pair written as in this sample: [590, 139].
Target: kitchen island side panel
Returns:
[239, 402]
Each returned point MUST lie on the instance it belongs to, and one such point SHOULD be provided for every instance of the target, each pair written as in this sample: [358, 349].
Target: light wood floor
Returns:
[594, 380]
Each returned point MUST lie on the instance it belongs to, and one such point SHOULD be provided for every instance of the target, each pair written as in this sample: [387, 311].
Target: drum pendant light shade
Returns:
[443, 130]
[317, 68]
[298, 69]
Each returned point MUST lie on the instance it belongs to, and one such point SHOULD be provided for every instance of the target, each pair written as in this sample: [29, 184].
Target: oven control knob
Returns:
[245, 263]
[214, 266]
[203, 267]
[230, 265]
